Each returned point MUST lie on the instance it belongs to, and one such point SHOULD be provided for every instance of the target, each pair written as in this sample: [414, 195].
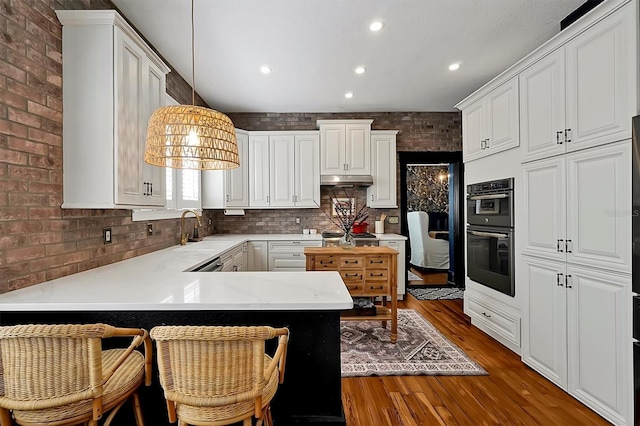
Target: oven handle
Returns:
[488, 196]
[488, 234]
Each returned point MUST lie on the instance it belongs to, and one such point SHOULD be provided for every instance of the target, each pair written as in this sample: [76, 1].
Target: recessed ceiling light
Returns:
[348, 95]
[376, 25]
[360, 70]
[265, 69]
[454, 67]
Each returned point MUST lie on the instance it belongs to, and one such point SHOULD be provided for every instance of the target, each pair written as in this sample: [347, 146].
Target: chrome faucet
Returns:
[184, 236]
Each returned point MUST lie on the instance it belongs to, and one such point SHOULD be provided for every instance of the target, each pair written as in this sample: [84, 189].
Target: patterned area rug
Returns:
[366, 349]
[436, 293]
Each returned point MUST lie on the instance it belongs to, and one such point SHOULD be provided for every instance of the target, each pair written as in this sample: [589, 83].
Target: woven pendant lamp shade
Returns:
[191, 137]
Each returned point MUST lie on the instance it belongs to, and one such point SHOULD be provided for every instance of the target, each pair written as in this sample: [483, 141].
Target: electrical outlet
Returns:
[393, 220]
[297, 220]
[106, 235]
[149, 229]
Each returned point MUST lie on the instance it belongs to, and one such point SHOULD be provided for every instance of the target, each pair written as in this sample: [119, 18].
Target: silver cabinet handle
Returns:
[482, 144]
[567, 246]
[559, 276]
[567, 135]
[558, 141]
[486, 315]
[486, 143]
[558, 248]
[567, 281]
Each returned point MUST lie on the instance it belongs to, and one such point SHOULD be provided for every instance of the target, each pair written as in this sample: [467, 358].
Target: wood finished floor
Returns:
[512, 393]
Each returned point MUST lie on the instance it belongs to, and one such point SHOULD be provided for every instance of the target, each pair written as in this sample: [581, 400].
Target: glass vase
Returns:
[347, 241]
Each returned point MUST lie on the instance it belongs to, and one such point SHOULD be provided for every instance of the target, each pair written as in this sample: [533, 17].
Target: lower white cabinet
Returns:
[289, 255]
[399, 246]
[576, 333]
[257, 256]
[234, 260]
[494, 318]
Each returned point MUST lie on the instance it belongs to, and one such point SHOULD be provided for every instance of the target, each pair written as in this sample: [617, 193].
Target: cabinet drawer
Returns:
[377, 275]
[378, 262]
[376, 288]
[500, 322]
[351, 262]
[326, 263]
[352, 276]
[355, 288]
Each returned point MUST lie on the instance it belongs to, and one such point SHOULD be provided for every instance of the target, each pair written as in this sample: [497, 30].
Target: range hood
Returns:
[346, 180]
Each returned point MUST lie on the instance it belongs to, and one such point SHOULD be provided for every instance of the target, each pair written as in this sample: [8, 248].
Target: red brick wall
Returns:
[39, 241]
[418, 131]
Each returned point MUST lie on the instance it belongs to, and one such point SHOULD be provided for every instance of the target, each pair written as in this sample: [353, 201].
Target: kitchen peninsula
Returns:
[156, 289]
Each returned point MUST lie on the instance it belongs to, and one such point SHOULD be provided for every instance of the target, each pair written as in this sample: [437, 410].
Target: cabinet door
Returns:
[154, 177]
[599, 207]
[307, 171]
[237, 180]
[281, 170]
[130, 94]
[332, 149]
[542, 107]
[599, 334]
[502, 117]
[544, 331]
[473, 130]
[382, 194]
[259, 170]
[358, 149]
[257, 258]
[544, 208]
[601, 85]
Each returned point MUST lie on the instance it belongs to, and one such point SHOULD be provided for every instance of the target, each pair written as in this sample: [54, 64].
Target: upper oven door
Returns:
[490, 208]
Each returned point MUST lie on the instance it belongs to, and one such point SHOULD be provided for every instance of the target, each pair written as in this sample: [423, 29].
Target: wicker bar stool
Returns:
[217, 375]
[59, 375]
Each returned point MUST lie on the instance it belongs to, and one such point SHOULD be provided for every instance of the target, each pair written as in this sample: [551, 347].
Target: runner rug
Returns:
[366, 349]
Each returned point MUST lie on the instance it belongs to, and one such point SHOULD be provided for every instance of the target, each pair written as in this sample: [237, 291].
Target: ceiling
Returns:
[313, 47]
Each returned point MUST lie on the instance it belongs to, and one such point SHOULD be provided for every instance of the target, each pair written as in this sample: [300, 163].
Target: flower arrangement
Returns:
[345, 214]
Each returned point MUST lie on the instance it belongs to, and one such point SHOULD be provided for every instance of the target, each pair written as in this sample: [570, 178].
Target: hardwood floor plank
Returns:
[512, 393]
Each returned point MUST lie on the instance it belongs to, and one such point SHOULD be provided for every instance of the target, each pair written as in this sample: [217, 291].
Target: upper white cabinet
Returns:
[576, 207]
[113, 82]
[228, 188]
[583, 93]
[382, 194]
[345, 147]
[490, 124]
[284, 169]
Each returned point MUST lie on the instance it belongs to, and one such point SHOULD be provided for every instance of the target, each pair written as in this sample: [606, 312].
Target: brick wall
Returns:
[418, 131]
[39, 241]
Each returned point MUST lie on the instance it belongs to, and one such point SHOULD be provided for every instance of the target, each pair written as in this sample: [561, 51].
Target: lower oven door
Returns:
[490, 258]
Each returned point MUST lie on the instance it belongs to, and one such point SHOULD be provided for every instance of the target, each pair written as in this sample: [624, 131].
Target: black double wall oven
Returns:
[490, 248]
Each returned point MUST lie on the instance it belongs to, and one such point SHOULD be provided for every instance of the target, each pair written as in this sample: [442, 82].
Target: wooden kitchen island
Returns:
[367, 272]
[153, 289]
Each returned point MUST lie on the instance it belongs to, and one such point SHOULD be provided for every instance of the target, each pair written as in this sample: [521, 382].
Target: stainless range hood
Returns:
[346, 180]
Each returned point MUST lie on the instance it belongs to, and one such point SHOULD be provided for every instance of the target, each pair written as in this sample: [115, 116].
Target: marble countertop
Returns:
[159, 281]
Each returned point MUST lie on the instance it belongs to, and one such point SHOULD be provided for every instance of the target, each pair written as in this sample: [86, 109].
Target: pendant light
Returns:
[190, 136]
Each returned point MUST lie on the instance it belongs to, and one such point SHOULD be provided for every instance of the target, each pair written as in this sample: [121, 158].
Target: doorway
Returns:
[433, 182]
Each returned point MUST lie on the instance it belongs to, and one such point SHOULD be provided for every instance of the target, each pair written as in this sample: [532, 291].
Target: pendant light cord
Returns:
[193, 60]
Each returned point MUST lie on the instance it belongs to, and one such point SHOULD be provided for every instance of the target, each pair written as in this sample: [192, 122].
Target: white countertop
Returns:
[157, 281]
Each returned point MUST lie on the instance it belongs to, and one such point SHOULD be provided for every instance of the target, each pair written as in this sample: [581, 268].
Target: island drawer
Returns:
[381, 262]
[352, 276]
[376, 288]
[328, 263]
[377, 275]
[351, 261]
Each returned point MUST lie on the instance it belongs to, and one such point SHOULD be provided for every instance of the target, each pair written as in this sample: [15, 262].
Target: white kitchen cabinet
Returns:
[575, 333]
[289, 255]
[228, 188]
[583, 93]
[383, 192]
[284, 169]
[257, 256]
[106, 116]
[495, 318]
[345, 147]
[399, 245]
[576, 207]
[490, 124]
[235, 260]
